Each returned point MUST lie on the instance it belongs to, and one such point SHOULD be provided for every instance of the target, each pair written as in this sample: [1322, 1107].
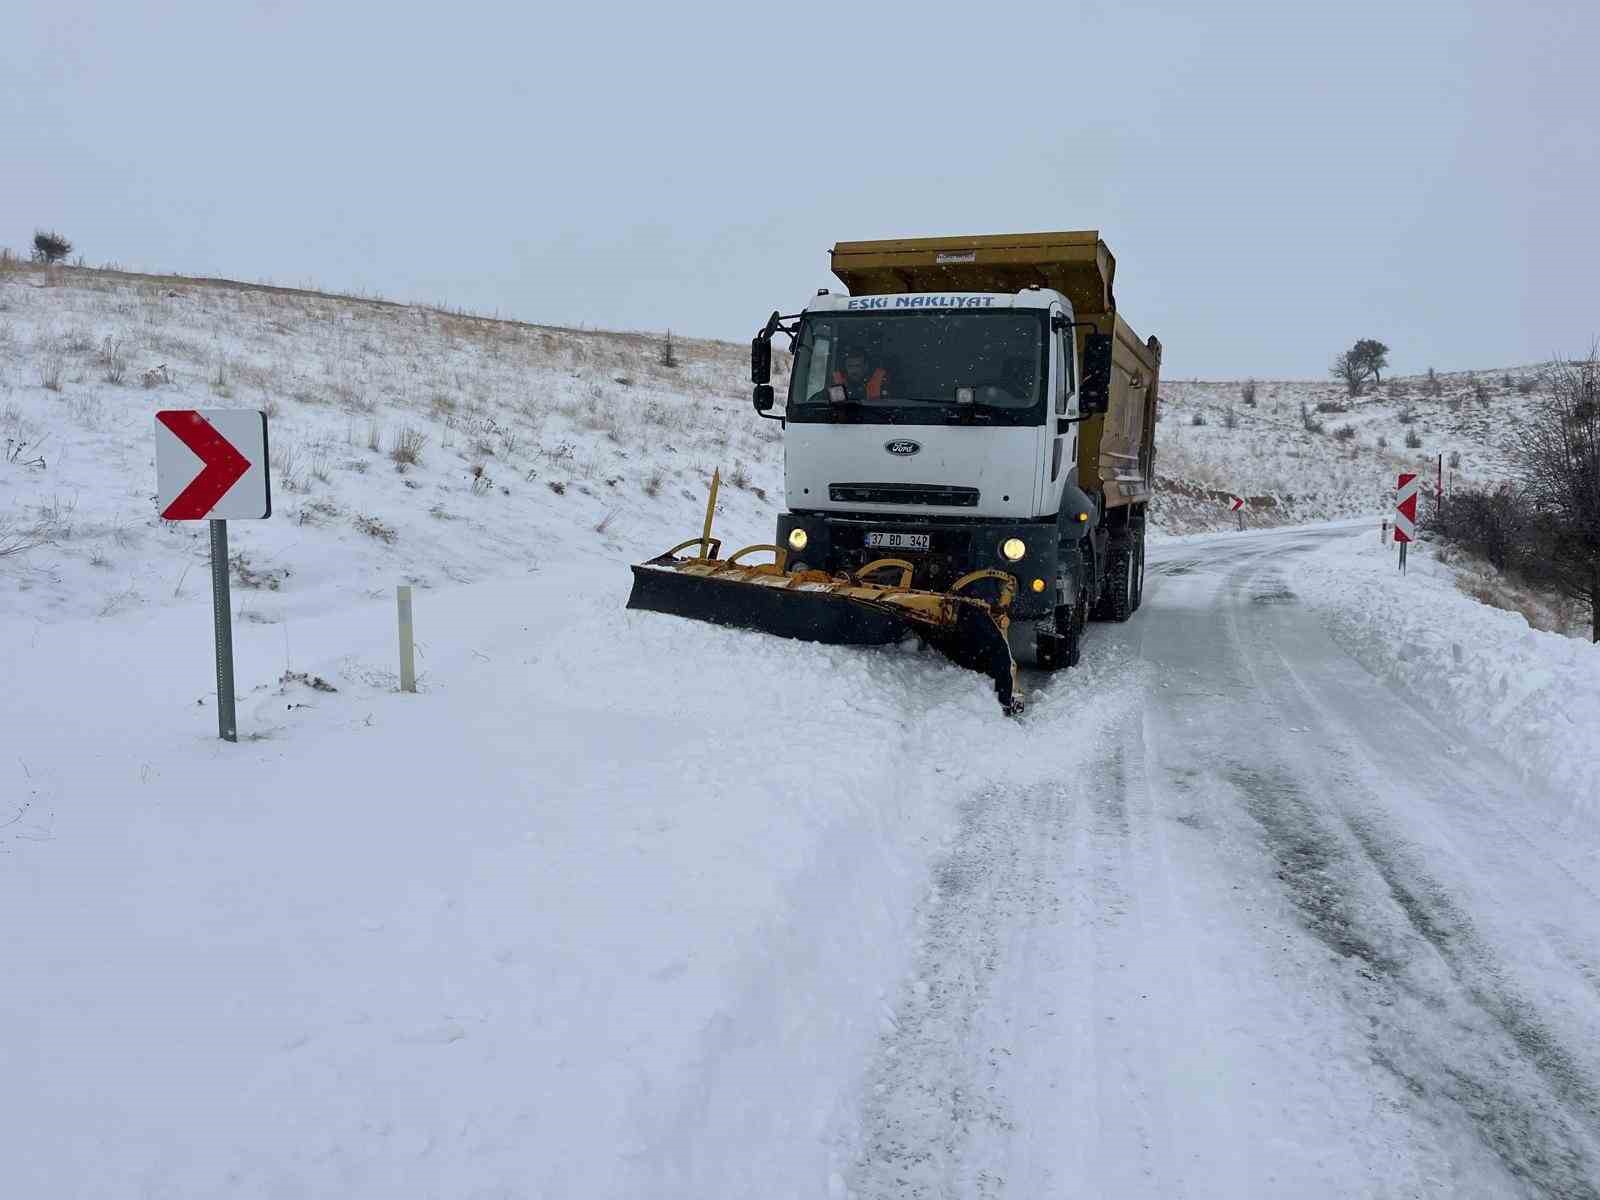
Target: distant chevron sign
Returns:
[1405, 509]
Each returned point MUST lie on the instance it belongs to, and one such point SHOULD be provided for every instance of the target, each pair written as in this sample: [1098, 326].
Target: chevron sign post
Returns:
[211, 464]
[1405, 513]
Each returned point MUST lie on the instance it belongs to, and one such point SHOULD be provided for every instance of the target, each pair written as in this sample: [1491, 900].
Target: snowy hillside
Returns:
[1307, 450]
[407, 443]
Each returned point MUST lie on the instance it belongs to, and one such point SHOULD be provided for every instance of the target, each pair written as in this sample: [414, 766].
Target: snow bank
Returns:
[1534, 695]
[616, 906]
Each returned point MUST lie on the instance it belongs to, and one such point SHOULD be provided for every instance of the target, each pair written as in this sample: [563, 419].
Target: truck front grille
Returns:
[903, 493]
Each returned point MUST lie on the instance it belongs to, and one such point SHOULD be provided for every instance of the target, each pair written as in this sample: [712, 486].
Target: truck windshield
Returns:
[906, 368]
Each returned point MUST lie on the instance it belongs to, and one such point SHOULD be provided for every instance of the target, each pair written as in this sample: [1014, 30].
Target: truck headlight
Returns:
[798, 539]
[1013, 549]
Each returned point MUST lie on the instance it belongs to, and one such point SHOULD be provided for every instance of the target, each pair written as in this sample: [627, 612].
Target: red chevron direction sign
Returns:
[1235, 503]
[1405, 509]
[211, 464]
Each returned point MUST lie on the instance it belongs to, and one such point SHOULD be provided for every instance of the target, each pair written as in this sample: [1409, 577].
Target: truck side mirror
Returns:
[763, 398]
[1094, 389]
[761, 359]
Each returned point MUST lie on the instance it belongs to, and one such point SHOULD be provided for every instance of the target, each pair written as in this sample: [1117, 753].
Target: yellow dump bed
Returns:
[1116, 454]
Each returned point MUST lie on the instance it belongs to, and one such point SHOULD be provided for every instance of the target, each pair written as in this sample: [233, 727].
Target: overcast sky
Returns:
[1276, 180]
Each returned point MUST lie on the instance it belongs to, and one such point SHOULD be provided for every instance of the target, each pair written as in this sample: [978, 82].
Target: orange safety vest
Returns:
[875, 382]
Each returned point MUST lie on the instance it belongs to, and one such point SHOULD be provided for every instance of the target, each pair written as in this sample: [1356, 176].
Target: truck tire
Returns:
[1116, 603]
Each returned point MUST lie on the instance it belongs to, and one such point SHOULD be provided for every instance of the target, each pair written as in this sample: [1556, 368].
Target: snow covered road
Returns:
[1286, 936]
[628, 906]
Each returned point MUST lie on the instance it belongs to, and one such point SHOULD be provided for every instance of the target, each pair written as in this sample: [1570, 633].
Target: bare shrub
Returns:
[1308, 421]
[17, 538]
[1407, 415]
[1199, 419]
[285, 460]
[653, 482]
[1480, 390]
[56, 519]
[1559, 446]
[482, 482]
[85, 410]
[1455, 460]
[1526, 384]
[113, 362]
[1433, 386]
[1505, 381]
[51, 365]
[1383, 442]
[1345, 433]
[155, 377]
[374, 437]
[668, 356]
[1247, 393]
[1230, 417]
[1332, 406]
[605, 522]
[558, 487]
[739, 476]
[1413, 440]
[375, 528]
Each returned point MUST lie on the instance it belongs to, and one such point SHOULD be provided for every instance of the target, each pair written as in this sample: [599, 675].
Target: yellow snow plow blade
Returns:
[814, 606]
[861, 609]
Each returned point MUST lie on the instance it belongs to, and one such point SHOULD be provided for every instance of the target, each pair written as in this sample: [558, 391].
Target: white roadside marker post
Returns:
[408, 658]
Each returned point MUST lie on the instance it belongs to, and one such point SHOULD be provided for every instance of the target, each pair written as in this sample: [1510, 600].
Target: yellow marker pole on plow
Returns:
[711, 508]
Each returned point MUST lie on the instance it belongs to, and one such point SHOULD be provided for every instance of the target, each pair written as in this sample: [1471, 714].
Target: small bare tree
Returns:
[1247, 393]
[49, 246]
[669, 356]
[1560, 449]
[1350, 370]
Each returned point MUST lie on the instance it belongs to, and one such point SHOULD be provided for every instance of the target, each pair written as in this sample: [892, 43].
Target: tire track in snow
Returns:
[935, 1086]
[1443, 1016]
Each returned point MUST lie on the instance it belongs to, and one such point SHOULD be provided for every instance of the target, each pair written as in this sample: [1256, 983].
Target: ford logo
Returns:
[902, 446]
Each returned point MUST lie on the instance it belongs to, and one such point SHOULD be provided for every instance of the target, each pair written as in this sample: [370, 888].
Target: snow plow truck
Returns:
[968, 457]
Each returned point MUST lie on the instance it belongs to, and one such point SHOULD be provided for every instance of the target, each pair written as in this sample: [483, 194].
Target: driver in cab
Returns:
[861, 380]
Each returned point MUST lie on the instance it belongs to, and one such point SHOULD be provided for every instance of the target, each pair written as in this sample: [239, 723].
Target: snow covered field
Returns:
[621, 905]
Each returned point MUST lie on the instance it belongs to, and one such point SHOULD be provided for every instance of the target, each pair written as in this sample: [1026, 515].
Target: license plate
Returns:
[897, 541]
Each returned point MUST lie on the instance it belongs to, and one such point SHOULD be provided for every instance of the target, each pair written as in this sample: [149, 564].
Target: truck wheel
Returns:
[1116, 603]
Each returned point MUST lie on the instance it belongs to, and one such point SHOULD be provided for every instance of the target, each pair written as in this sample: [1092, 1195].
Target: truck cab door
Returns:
[1063, 415]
